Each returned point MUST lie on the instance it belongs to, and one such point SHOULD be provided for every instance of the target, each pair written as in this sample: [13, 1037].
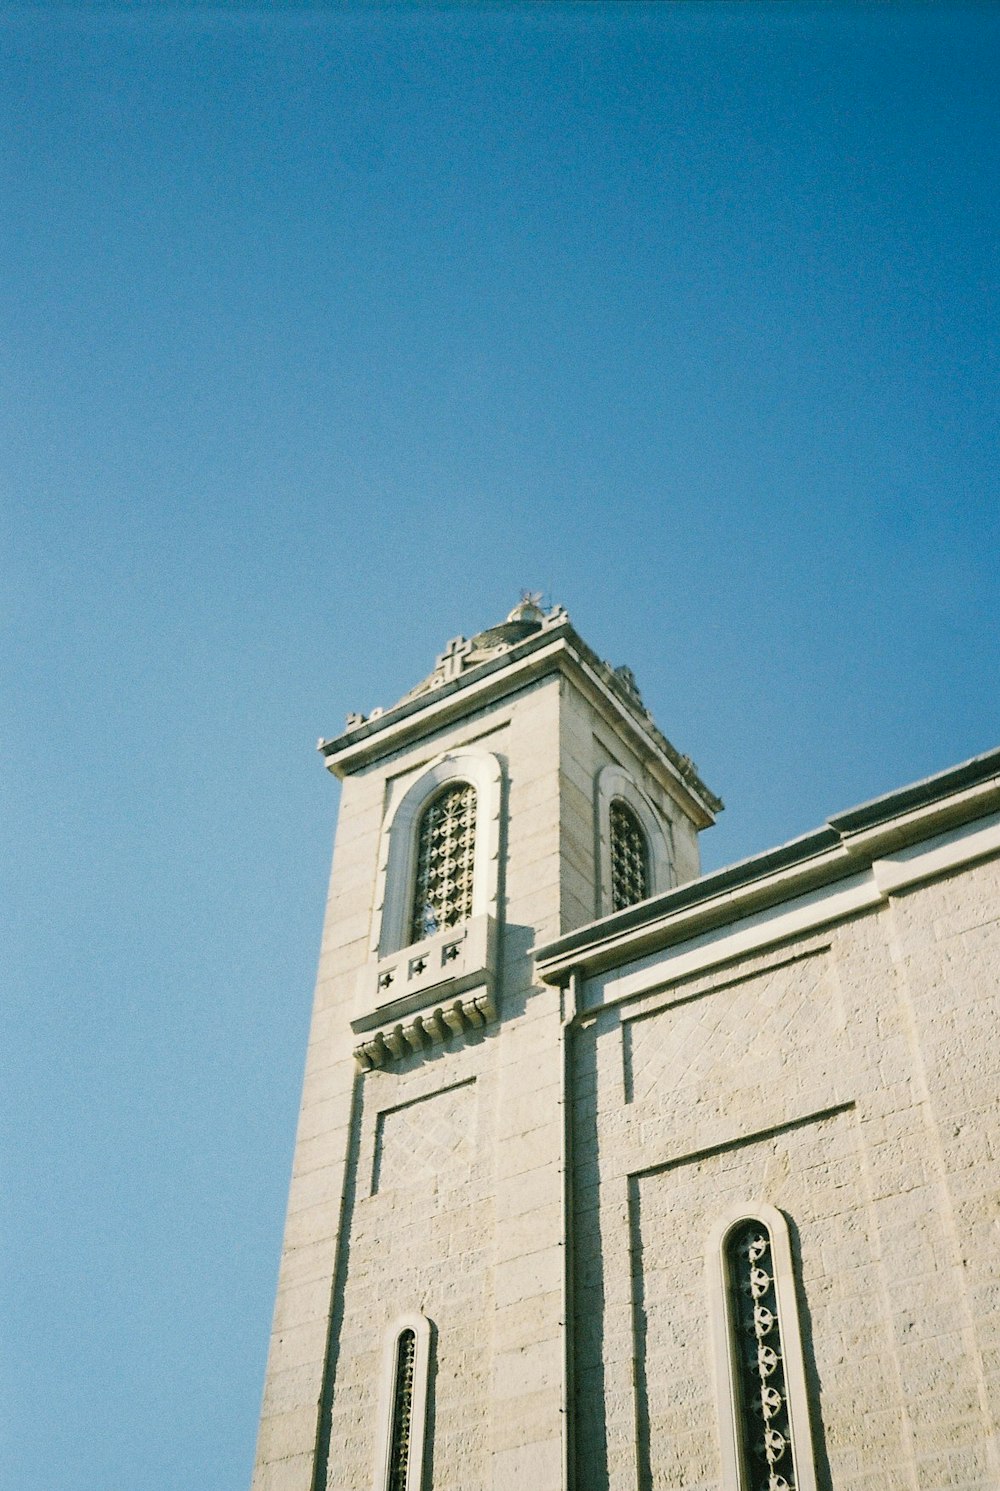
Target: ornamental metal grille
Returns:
[402, 1411]
[763, 1428]
[446, 846]
[629, 858]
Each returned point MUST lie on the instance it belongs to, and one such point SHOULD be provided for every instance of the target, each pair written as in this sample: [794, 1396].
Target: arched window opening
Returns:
[764, 1427]
[766, 1433]
[402, 1422]
[629, 857]
[635, 856]
[445, 861]
[402, 1411]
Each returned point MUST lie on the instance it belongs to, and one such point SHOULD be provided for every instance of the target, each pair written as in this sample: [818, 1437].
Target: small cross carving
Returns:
[452, 660]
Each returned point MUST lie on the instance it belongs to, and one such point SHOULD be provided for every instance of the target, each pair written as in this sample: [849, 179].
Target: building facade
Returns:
[613, 1175]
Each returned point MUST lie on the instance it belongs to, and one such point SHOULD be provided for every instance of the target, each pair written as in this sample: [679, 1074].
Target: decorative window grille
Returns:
[629, 857]
[402, 1420]
[446, 844]
[758, 1358]
[766, 1434]
[402, 1411]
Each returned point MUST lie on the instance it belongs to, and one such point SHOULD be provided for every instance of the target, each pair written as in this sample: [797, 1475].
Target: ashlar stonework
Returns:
[699, 1192]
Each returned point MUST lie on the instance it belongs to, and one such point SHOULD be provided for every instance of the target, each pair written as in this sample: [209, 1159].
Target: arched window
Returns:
[762, 1393]
[409, 895]
[764, 1407]
[629, 857]
[400, 1438]
[445, 861]
[399, 1455]
[634, 842]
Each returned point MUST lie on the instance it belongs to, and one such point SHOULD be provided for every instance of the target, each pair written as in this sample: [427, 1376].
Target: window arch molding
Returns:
[725, 1345]
[397, 856]
[386, 1475]
[614, 783]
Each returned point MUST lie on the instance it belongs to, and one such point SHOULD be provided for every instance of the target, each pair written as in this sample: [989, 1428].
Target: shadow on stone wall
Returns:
[587, 1305]
[814, 1387]
[322, 1470]
[431, 1421]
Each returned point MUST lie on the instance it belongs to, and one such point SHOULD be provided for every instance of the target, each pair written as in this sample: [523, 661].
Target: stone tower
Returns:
[419, 1336]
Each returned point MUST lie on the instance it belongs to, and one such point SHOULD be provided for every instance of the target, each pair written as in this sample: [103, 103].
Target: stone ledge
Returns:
[457, 1020]
[453, 960]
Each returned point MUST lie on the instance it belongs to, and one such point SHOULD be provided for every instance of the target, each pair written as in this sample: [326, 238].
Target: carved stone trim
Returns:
[433, 971]
[424, 1031]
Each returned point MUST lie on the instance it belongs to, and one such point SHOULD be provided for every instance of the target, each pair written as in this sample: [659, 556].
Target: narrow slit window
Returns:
[629, 857]
[758, 1358]
[445, 862]
[402, 1411]
[402, 1421]
[763, 1397]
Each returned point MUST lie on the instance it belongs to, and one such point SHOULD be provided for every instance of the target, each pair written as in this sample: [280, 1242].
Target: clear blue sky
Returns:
[325, 330]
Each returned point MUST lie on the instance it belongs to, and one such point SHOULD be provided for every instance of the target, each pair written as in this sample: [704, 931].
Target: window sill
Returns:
[461, 957]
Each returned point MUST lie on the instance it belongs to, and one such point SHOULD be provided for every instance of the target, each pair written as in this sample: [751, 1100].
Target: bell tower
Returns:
[521, 791]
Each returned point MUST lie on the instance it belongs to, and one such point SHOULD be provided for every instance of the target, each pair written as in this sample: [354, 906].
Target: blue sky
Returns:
[325, 331]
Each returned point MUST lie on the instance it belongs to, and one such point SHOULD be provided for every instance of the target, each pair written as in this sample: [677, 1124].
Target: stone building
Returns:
[611, 1176]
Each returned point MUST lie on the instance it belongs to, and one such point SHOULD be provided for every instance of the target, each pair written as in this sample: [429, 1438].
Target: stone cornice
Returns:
[555, 647]
[880, 847]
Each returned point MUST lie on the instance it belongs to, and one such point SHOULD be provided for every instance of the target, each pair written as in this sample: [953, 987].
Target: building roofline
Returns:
[554, 647]
[846, 844]
[889, 805]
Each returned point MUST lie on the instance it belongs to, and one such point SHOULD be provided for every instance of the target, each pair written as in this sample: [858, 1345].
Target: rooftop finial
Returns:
[529, 607]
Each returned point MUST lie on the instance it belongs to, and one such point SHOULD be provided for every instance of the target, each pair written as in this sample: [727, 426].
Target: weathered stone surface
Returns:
[816, 1033]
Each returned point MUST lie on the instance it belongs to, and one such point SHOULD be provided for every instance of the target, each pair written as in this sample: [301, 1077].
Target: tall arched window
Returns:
[762, 1393]
[399, 1452]
[445, 861]
[400, 1438]
[400, 911]
[629, 857]
[763, 1402]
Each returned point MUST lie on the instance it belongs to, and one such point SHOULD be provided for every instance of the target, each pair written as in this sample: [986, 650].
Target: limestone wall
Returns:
[432, 1184]
[824, 1043]
[848, 1077]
